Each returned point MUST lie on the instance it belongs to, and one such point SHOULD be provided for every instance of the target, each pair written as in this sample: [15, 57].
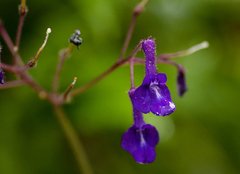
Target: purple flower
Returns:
[181, 83]
[1, 76]
[141, 138]
[153, 95]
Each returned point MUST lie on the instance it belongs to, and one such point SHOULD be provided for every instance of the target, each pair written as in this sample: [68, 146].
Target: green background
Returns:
[201, 136]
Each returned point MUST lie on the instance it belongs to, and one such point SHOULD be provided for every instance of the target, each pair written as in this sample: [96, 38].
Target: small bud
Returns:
[69, 89]
[181, 83]
[75, 39]
[33, 62]
[1, 76]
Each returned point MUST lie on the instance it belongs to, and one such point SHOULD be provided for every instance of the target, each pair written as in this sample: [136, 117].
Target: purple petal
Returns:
[162, 78]
[163, 108]
[144, 154]
[181, 83]
[149, 79]
[131, 140]
[150, 134]
[1, 76]
[141, 99]
[140, 142]
[161, 100]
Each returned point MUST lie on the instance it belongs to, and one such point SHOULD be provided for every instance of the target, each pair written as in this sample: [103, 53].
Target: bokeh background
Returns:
[201, 136]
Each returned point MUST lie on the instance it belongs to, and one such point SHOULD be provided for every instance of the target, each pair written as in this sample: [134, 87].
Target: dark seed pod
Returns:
[75, 39]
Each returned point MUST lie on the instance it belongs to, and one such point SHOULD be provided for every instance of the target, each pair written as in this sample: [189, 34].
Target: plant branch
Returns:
[73, 140]
[12, 84]
[6, 38]
[137, 10]
[189, 51]
[69, 89]
[62, 56]
[22, 11]
[9, 43]
[112, 68]
[33, 62]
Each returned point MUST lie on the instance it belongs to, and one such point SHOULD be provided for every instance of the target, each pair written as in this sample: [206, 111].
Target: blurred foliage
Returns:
[201, 136]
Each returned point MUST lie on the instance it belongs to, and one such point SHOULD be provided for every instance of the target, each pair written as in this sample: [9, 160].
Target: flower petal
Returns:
[144, 154]
[141, 99]
[131, 140]
[161, 77]
[161, 103]
[163, 108]
[149, 79]
[150, 135]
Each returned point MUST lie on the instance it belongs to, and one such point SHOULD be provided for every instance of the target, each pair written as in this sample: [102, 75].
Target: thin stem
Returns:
[33, 62]
[128, 37]
[73, 140]
[189, 51]
[12, 84]
[137, 10]
[62, 56]
[94, 81]
[100, 77]
[9, 43]
[162, 61]
[6, 38]
[8, 68]
[23, 11]
[28, 79]
[132, 73]
[69, 89]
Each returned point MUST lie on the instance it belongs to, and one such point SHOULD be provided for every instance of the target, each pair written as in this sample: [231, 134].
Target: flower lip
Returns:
[140, 142]
[153, 95]
[141, 138]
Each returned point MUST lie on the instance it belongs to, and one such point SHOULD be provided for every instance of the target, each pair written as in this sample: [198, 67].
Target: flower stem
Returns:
[12, 84]
[189, 51]
[22, 11]
[73, 140]
[94, 81]
[62, 56]
[9, 43]
[33, 62]
[137, 10]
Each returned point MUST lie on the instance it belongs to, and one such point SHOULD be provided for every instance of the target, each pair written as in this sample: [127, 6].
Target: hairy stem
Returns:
[73, 140]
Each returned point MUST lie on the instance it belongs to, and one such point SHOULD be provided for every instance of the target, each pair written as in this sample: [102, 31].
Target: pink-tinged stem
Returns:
[12, 84]
[9, 43]
[112, 68]
[6, 38]
[137, 10]
[62, 57]
[23, 11]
